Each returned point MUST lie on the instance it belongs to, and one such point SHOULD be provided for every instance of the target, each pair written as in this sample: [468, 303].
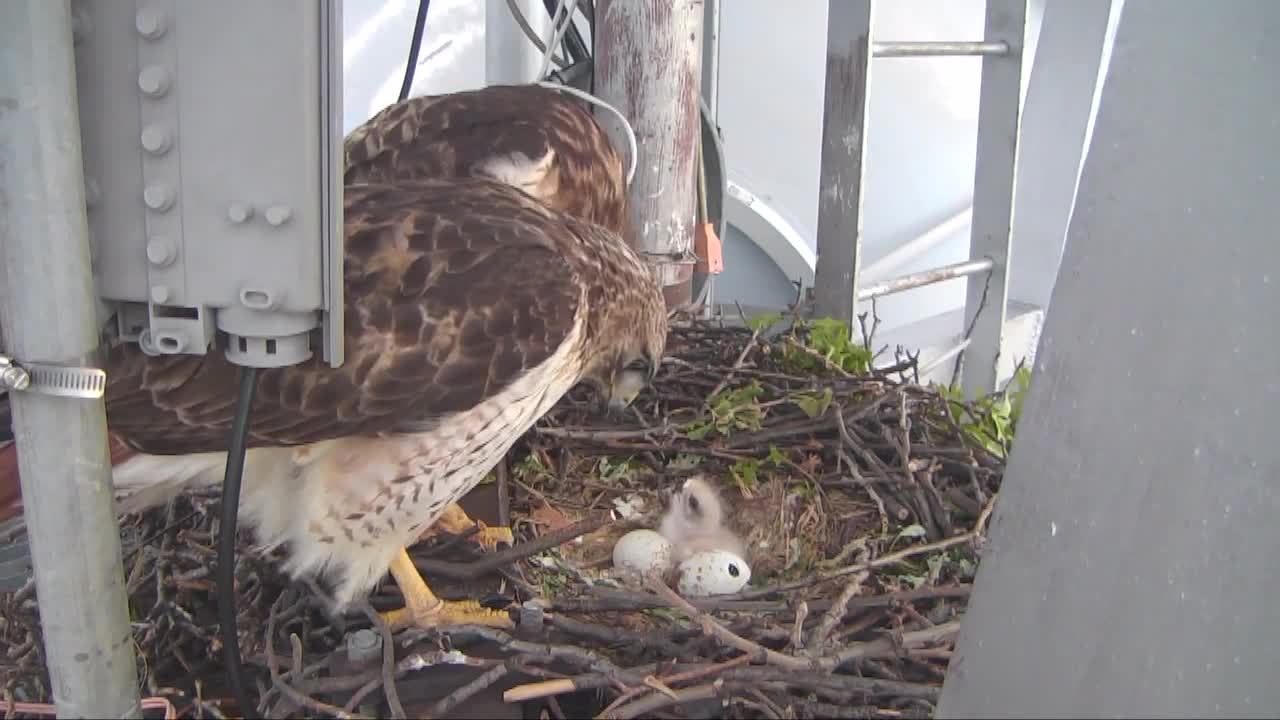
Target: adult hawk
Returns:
[471, 309]
[536, 139]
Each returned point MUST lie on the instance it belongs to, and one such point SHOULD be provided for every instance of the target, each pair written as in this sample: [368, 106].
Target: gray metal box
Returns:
[212, 152]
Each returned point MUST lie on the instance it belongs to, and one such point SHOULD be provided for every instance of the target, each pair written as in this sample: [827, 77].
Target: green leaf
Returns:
[915, 530]
[813, 404]
[763, 322]
[746, 472]
[698, 430]
[684, 461]
[777, 458]
[915, 580]
[616, 471]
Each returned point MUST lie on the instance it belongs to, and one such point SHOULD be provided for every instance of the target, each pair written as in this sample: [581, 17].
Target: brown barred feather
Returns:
[453, 289]
[461, 134]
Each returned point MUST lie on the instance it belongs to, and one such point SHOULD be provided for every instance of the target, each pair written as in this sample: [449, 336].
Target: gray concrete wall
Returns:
[1133, 561]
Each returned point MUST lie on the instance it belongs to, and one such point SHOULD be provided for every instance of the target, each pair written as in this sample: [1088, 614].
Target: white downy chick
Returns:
[696, 522]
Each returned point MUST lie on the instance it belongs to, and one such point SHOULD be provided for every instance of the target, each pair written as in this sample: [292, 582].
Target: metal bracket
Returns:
[49, 379]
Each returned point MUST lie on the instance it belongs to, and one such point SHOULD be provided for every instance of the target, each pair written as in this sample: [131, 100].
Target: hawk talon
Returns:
[423, 609]
[490, 536]
[447, 613]
[455, 520]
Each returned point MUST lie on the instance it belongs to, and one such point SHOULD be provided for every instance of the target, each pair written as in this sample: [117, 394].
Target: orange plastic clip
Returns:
[706, 244]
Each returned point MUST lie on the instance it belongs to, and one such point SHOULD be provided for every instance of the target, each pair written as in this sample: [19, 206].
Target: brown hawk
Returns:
[538, 139]
[471, 308]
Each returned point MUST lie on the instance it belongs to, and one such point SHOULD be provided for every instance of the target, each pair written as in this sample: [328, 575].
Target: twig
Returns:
[742, 358]
[797, 627]
[686, 676]
[388, 662]
[835, 614]
[982, 304]
[760, 653]
[883, 560]
[447, 703]
[492, 561]
[658, 701]
[548, 651]
[294, 695]
[601, 435]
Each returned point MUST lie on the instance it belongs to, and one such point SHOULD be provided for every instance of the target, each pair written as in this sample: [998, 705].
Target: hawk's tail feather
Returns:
[147, 481]
[141, 481]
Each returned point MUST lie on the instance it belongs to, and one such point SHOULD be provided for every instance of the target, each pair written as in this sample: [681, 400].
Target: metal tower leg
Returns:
[48, 313]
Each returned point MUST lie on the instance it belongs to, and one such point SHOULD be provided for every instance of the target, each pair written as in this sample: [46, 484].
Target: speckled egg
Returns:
[643, 551]
[713, 572]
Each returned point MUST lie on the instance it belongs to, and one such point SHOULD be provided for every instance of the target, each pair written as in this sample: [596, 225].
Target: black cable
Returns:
[227, 541]
[415, 47]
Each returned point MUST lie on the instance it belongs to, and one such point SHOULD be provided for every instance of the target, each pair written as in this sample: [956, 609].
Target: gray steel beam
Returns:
[1131, 568]
[47, 307]
[993, 194]
[844, 129]
[1059, 107]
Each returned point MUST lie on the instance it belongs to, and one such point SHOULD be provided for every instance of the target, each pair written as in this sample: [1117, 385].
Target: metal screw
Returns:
[153, 80]
[363, 645]
[158, 197]
[155, 139]
[278, 215]
[239, 212]
[149, 23]
[160, 251]
[13, 377]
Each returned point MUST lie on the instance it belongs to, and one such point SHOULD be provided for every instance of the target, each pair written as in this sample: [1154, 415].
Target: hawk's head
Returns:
[696, 507]
[634, 341]
[635, 363]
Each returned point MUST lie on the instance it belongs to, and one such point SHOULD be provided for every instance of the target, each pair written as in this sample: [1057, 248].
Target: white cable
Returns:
[557, 34]
[548, 55]
[631, 135]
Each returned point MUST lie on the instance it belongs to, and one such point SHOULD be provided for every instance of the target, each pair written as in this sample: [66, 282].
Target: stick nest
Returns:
[861, 495]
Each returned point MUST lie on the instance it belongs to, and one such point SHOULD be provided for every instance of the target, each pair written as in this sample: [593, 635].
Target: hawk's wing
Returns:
[453, 289]
[537, 139]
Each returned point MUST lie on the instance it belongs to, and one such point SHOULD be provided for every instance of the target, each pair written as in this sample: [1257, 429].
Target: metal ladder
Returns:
[848, 73]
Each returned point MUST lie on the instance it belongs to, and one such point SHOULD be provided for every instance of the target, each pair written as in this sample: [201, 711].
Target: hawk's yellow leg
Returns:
[424, 610]
[455, 520]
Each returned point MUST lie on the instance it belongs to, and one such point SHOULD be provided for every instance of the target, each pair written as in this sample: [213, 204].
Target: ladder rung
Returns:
[937, 49]
[925, 277]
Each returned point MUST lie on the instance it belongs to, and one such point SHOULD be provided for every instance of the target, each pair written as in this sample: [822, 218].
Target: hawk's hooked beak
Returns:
[618, 404]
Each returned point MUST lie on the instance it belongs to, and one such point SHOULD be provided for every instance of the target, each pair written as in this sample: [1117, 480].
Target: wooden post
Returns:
[648, 65]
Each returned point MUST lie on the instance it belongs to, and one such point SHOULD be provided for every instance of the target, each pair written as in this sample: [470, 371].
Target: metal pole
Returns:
[47, 309]
[999, 110]
[648, 65]
[938, 49]
[925, 277]
[844, 131]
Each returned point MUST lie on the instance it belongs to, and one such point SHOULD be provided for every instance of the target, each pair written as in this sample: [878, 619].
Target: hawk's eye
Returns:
[640, 365]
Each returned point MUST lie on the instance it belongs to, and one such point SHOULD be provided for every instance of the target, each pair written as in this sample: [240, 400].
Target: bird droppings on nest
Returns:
[860, 499]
